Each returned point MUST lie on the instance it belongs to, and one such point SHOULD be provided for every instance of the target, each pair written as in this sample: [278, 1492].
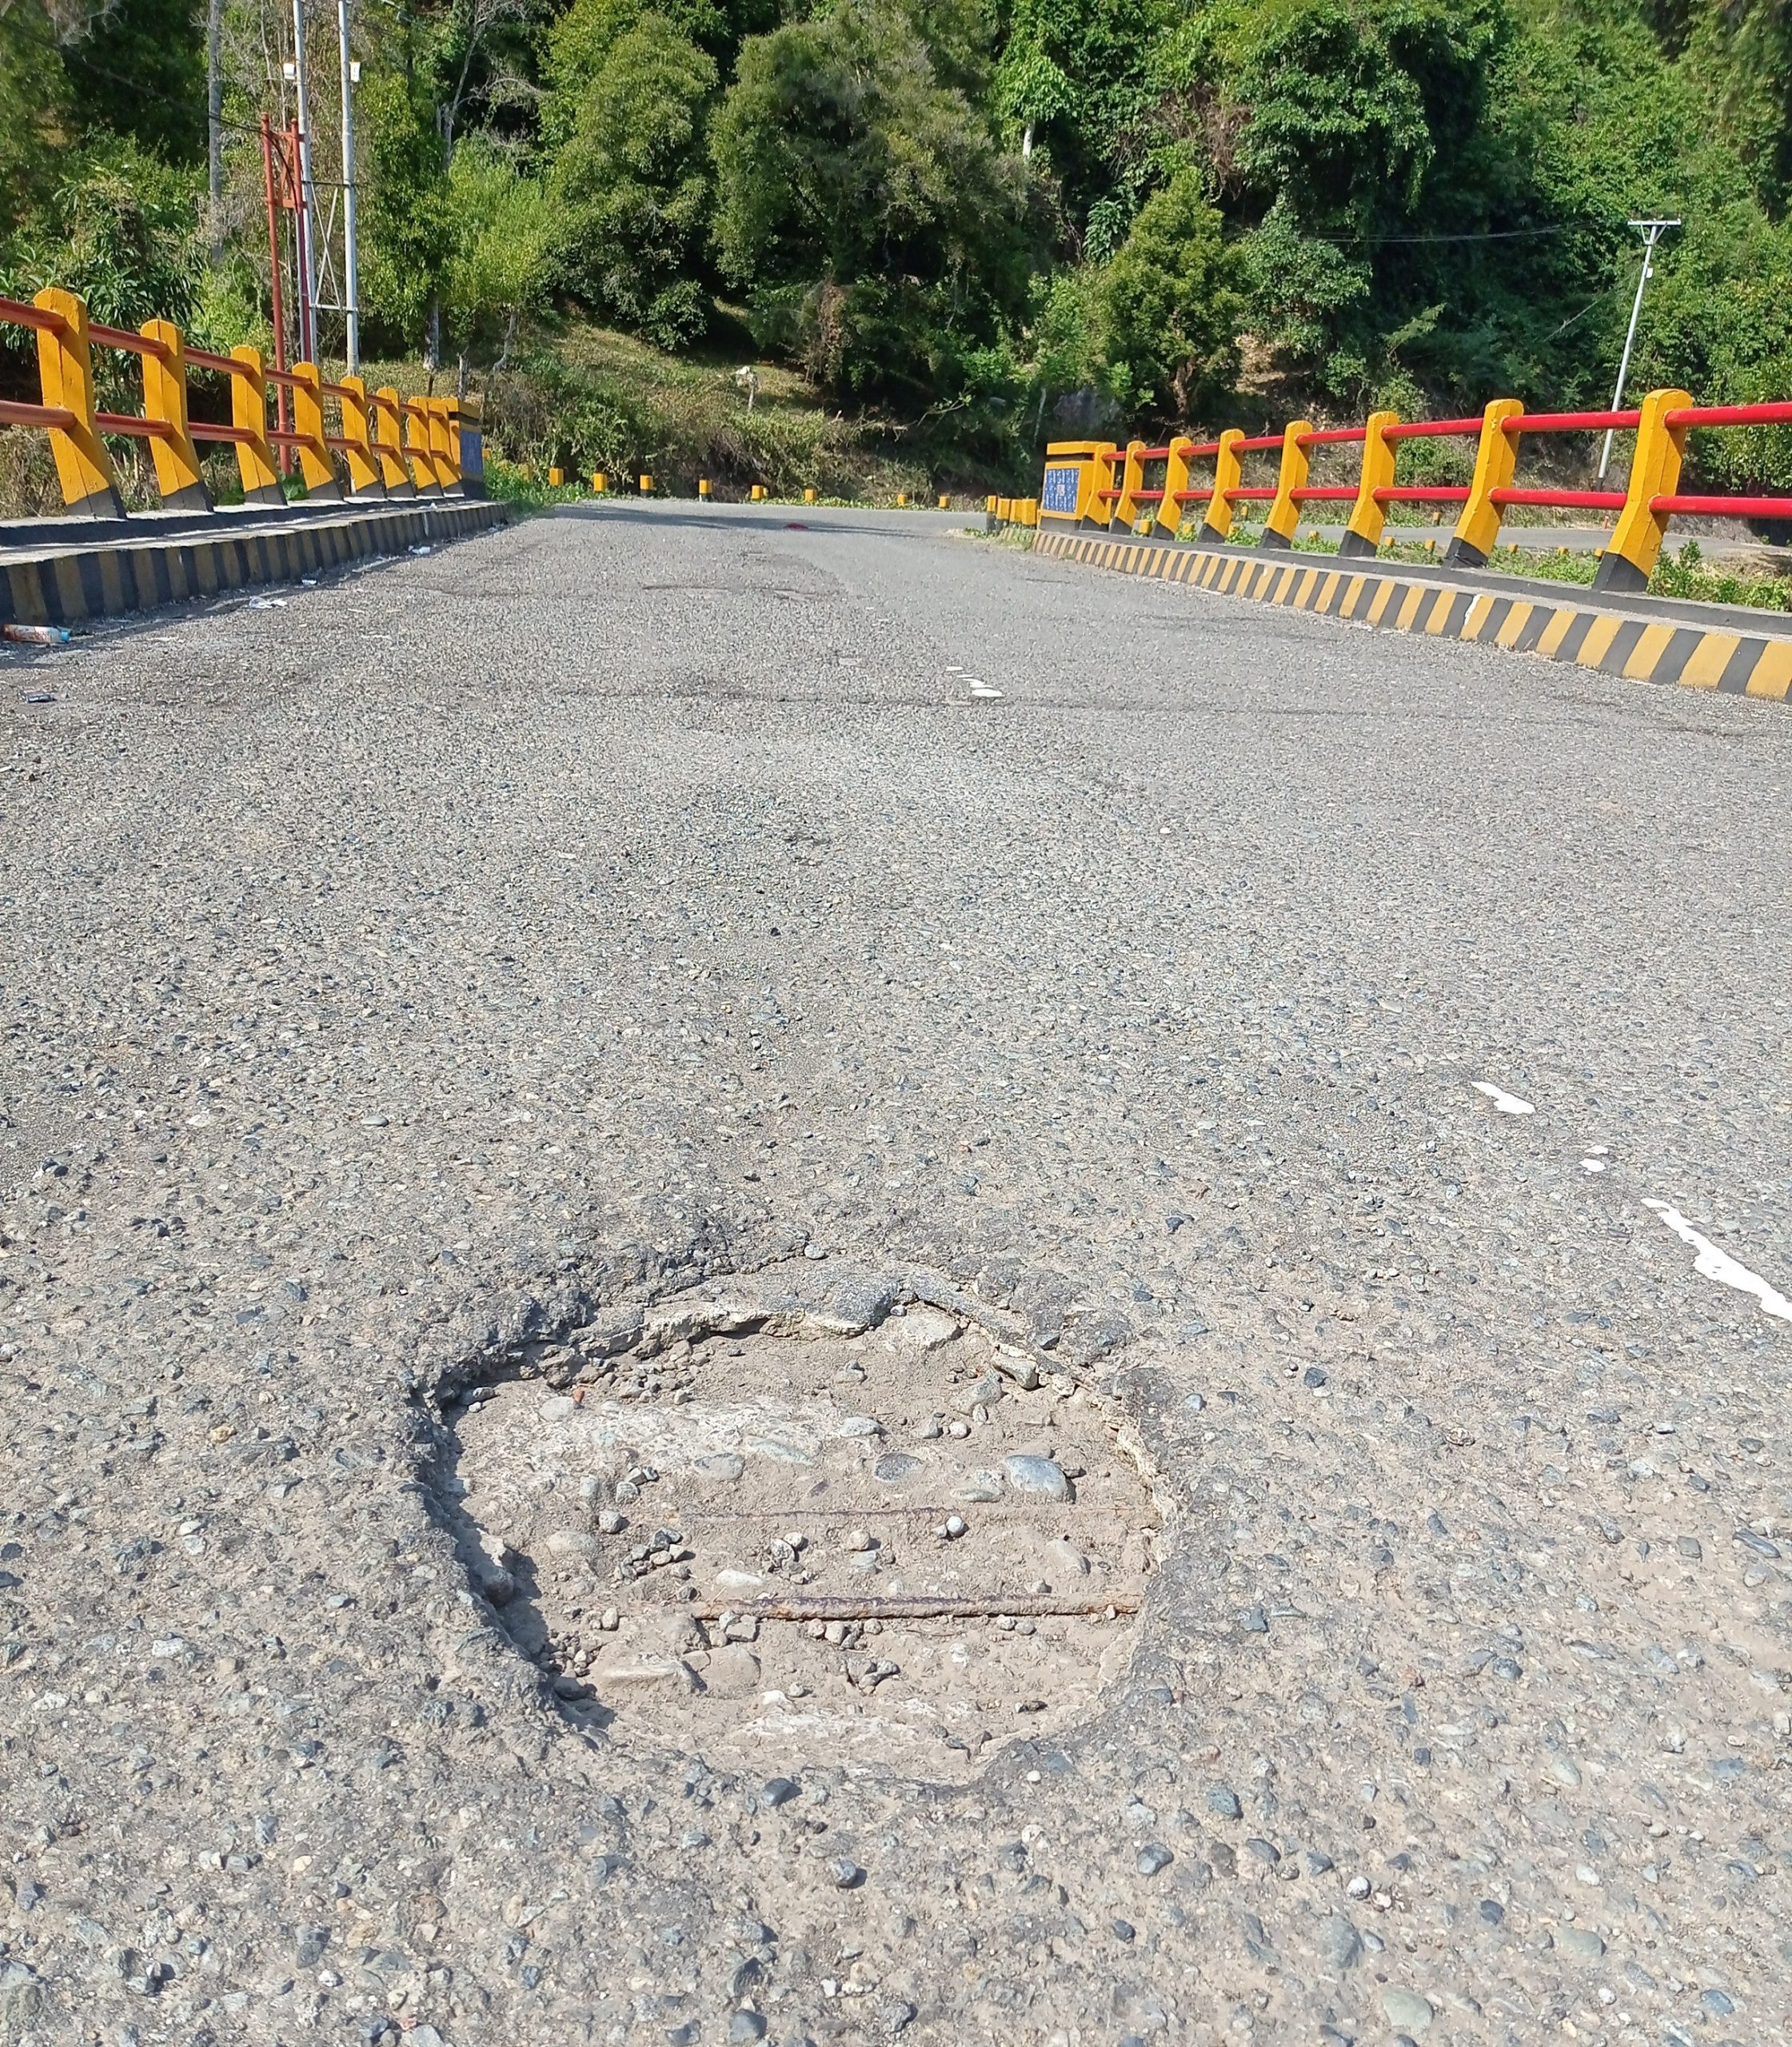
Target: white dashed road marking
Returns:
[1712, 1264]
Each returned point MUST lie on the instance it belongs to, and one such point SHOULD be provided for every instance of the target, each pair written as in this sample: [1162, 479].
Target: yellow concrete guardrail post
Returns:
[308, 423]
[1093, 509]
[600, 483]
[66, 369]
[1228, 470]
[1132, 481]
[1635, 544]
[178, 477]
[945, 502]
[646, 485]
[1176, 480]
[444, 439]
[1029, 512]
[1496, 458]
[431, 425]
[1283, 521]
[1363, 535]
[249, 412]
[389, 422]
[417, 450]
[365, 480]
[703, 486]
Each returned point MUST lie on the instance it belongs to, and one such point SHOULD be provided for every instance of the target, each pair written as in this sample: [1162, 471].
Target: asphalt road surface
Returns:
[1351, 1072]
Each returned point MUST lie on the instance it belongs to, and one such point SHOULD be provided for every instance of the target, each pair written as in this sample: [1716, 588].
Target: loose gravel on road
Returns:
[481, 1038]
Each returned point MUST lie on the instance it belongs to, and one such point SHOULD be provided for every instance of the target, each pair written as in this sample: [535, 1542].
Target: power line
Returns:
[1484, 234]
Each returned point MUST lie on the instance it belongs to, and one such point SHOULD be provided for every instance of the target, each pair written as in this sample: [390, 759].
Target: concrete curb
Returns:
[1599, 635]
[67, 585]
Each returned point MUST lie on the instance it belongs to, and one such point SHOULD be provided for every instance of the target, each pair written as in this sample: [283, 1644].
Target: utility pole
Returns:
[307, 195]
[351, 274]
[284, 451]
[304, 261]
[1651, 231]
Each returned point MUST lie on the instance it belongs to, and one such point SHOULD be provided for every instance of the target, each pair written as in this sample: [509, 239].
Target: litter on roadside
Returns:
[38, 697]
[425, 548]
[36, 636]
[267, 604]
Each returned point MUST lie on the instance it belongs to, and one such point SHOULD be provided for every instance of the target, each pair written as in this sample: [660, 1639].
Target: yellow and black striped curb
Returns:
[1616, 643]
[69, 585]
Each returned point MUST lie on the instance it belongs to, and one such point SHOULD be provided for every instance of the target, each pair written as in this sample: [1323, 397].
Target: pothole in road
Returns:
[771, 1537]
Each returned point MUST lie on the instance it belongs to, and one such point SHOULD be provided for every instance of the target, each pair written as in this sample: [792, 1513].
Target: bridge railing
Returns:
[1140, 487]
[384, 445]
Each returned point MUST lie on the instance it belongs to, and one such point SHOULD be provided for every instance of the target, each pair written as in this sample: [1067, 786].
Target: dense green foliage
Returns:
[984, 220]
[1171, 306]
[632, 91]
[863, 202]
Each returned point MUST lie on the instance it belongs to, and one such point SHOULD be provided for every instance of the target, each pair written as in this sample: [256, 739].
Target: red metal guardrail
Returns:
[1650, 499]
[427, 459]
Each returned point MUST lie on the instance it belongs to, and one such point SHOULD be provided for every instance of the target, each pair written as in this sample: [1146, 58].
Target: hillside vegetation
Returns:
[959, 225]
[587, 398]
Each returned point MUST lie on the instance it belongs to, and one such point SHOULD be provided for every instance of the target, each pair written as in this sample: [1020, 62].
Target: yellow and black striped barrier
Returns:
[69, 585]
[1630, 643]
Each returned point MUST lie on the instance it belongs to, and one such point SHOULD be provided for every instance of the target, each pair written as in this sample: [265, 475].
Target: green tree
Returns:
[34, 125]
[578, 46]
[631, 182]
[406, 230]
[141, 72]
[1171, 306]
[862, 200]
[121, 229]
[498, 264]
[1739, 53]
[1073, 83]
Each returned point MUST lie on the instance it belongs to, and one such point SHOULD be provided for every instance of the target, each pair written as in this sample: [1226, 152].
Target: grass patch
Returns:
[1687, 575]
[520, 483]
[592, 400]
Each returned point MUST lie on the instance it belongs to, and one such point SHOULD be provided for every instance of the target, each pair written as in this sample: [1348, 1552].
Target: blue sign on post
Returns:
[1060, 492]
[473, 461]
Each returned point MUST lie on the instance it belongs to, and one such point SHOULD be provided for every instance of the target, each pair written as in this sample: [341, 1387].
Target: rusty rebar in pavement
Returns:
[911, 1606]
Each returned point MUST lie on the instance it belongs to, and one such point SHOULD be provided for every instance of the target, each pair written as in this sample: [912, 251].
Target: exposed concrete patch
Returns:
[809, 1517]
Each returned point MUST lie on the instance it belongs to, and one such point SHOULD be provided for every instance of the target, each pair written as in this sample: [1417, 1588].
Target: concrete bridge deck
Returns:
[1356, 1064]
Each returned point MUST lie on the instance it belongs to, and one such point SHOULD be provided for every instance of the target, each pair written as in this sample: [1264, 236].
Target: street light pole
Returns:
[1651, 231]
[307, 194]
[351, 274]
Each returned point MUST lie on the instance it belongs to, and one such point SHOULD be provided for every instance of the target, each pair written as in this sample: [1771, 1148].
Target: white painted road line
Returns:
[1712, 1264]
